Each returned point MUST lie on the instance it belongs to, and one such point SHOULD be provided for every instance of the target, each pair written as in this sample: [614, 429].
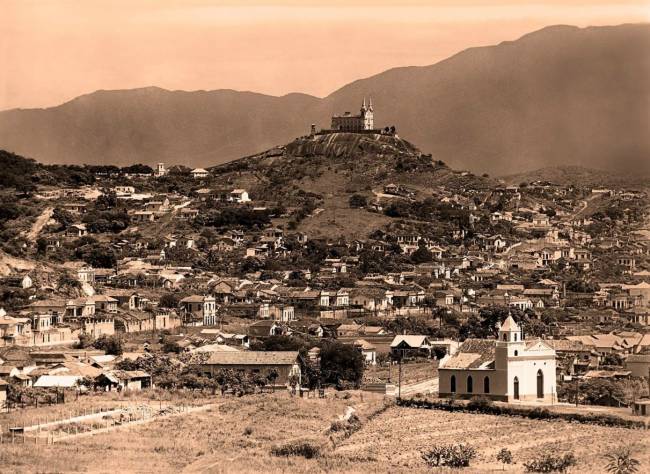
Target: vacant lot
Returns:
[237, 435]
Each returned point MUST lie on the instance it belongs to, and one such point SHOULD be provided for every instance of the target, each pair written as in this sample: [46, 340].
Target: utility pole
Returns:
[399, 383]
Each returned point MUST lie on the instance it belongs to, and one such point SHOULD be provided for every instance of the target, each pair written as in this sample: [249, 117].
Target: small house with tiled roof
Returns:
[509, 369]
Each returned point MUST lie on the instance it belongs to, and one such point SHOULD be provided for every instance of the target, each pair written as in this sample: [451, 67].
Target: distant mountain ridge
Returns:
[558, 96]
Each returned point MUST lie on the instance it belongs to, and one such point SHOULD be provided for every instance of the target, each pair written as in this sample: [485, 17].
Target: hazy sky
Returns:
[52, 51]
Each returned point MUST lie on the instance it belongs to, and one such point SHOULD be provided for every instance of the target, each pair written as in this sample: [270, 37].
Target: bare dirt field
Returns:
[238, 435]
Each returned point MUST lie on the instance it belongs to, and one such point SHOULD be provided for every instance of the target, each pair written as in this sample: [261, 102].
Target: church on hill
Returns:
[509, 369]
[355, 123]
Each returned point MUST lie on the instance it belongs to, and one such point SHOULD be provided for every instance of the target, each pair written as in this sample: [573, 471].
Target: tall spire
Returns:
[370, 104]
[363, 105]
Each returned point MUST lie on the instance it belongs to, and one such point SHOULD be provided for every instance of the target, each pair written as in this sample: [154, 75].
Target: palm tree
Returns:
[622, 462]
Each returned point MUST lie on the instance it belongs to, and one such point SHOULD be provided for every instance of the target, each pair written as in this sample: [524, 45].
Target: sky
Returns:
[52, 51]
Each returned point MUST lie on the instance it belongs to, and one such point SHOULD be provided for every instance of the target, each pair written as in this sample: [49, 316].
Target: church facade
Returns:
[355, 123]
[509, 369]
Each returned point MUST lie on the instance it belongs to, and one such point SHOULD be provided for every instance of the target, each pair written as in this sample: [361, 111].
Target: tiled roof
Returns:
[472, 354]
[253, 358]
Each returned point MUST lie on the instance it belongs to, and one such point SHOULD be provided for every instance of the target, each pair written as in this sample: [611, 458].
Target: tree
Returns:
[622, 462]
[85, 340]
[110, 344]
[168, 300]
[357, 201]
[341, 363]
[504, 457]
[422, 254]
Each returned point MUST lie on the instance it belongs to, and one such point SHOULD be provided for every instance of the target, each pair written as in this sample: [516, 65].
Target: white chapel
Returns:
[508, 369]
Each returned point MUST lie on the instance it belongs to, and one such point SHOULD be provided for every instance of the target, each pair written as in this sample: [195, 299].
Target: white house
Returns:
[509, 369]
[199, 173]
[239, 195]
[201, 310]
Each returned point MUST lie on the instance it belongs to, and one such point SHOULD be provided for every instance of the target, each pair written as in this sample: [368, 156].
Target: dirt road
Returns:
[38, 225]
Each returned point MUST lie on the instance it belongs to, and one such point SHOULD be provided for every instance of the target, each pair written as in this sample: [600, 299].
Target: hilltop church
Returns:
[509, 369]
[355, 123]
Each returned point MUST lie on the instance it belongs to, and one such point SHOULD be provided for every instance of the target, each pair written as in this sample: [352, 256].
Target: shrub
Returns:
[540, 414]
[458, 455]
[550, 463]
[621, 462]
[305, 449]
[357, 201]
[480, 403]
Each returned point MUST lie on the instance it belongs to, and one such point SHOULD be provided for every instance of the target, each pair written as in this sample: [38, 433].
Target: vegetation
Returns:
[549, 462]
[453, 455]
[504, 457]
[305, 449]
[620, 461]
[110, 344]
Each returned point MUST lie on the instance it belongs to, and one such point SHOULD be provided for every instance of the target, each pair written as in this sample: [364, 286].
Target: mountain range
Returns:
[558, 96]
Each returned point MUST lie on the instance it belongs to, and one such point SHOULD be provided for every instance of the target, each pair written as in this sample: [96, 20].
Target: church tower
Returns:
[510, 343]
[367, 115]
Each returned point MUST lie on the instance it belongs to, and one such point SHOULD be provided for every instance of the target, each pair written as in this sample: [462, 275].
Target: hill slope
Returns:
[561, 95]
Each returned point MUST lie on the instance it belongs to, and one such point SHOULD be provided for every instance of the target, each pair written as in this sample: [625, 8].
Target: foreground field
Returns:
[238, 435]
[395, 440]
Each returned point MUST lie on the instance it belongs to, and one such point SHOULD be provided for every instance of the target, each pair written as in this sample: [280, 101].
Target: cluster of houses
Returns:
[514, 257]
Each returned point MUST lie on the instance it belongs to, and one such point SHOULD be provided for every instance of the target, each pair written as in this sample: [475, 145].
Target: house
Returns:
[199, 173]
[19, 281]
[239, 196]
[276, 312]
[3, 393]
[410, 346]
[76, 230]
[368, 351]
[123, 380]
[508, 369]
[638, 365]
[199, 310]
[266, 328]
[284, 364]
[105, 303]
[86, 274]
[143, 216]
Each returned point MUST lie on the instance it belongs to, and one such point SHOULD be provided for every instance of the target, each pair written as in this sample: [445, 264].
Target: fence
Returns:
[87, 422]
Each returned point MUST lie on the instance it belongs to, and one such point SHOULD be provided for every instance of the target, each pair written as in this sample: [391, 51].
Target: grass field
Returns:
[239, 433]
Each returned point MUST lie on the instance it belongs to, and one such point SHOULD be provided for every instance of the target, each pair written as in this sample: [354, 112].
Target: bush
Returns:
[357, 201]
[480, 403]
[458, 455]
[551, 463]
[305, 449]
[621, 462]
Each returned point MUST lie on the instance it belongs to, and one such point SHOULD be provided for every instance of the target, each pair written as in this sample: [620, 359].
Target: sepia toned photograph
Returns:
[305, 236]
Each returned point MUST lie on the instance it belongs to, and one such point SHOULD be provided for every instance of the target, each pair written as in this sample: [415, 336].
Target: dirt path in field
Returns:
[37, 226]
[423, 387]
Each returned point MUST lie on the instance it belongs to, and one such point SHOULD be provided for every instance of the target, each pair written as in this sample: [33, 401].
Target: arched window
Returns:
[516, 386]
[540, 384]
[516, 353]
[470, 384]
[453, 384]
[515, 337]
[486, 385]
[505, 336]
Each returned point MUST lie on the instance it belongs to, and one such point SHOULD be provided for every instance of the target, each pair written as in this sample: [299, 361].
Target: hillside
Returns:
[559, 96]
[578, 175]
[319, 174]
